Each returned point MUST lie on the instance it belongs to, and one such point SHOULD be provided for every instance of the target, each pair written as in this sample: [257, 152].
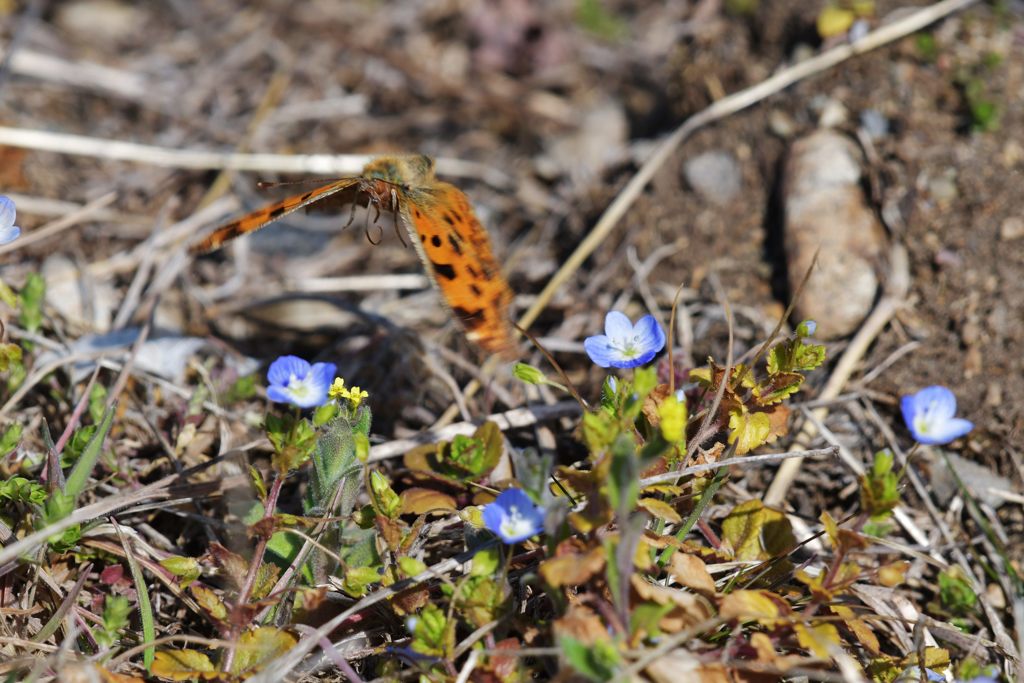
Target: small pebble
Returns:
[715, 176]
[1011, 229]
[874, 123]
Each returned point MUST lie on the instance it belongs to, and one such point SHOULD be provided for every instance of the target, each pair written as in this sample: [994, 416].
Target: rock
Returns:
[1011, 229]
[874, 123]
[979, 480]
[714, 175]
[598, 142]
[77, 298]
[106, 21]
[825, 208]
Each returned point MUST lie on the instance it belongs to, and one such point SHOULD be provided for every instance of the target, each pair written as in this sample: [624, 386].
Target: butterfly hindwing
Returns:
[457, 252]
[257, 219]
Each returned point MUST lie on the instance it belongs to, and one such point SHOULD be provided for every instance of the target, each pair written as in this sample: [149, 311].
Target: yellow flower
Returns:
[337, 389]
[356, 396]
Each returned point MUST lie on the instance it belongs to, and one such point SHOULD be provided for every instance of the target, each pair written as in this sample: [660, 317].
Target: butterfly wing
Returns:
[257, 219]
[456, 251]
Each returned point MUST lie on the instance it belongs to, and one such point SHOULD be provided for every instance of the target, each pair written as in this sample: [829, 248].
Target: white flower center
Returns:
[627, 347]
[298, 388]
[515, 524]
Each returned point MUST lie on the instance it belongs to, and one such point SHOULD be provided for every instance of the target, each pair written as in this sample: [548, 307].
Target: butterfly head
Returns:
[415, 170]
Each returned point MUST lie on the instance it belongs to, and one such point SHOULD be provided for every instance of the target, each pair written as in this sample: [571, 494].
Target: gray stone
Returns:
[826, 213]
[714, 175]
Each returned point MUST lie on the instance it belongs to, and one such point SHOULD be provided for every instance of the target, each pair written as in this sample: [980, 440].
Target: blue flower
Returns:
[8, 230]
[513, 516]
[625, 345]
[912, 674]
[293, 380]
[929, 416]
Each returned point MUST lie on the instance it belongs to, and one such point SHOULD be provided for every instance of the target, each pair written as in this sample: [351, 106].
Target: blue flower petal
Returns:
[513, 516]
[282, 369]
[948, 430]
[278, 394]
[651, 336]
[929, 415]
[7, 212]
[617, 326]
[9, 233]
[322, 374]
[599, 350]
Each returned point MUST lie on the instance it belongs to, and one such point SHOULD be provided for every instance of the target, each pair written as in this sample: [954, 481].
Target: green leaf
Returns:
[410, 566]
[623, 478]
[529, 374]
[646, 616]
[593, 17]
[116, 610]
[260, 646]
[325, 413]
[32, 296]
[183, 665]
[243, 389]
[471, 457]
[879, 492]
[185, 568]
[21, 490]
[10, 439]
[386, 501]
[597, 662]
[433, 635]
[83, 467]
[955, 592]
[97, 402]
[757, 532]
[10, 354]
[673, 416]
[486, 562]
[748, 430]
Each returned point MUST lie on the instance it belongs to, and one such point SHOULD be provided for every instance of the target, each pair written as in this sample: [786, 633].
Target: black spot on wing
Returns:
[444, 270]
[476, 290]
[277, 211]
[456, 244]
[436, 240]
[469, 317]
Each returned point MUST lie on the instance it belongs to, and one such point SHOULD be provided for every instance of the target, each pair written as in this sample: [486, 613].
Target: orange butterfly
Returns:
[452, 243]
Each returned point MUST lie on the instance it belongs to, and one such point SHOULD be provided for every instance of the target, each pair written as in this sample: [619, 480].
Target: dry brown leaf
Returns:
[583, 624]
[691, 572]
[572, 569]
[419, 501]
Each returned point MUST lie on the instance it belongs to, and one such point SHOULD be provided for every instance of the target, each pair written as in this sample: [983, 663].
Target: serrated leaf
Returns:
[410, 566]
[358, 579]
[485, 562]
[748, 430]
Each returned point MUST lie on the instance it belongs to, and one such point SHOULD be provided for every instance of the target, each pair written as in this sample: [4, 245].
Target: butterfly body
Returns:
[450, 240]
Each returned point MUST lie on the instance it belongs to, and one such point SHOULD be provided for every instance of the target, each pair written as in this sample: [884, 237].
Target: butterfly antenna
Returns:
[270, 184]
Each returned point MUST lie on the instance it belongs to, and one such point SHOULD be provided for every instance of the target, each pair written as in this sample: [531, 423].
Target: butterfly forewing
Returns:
[257, 219]
[457, 253]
